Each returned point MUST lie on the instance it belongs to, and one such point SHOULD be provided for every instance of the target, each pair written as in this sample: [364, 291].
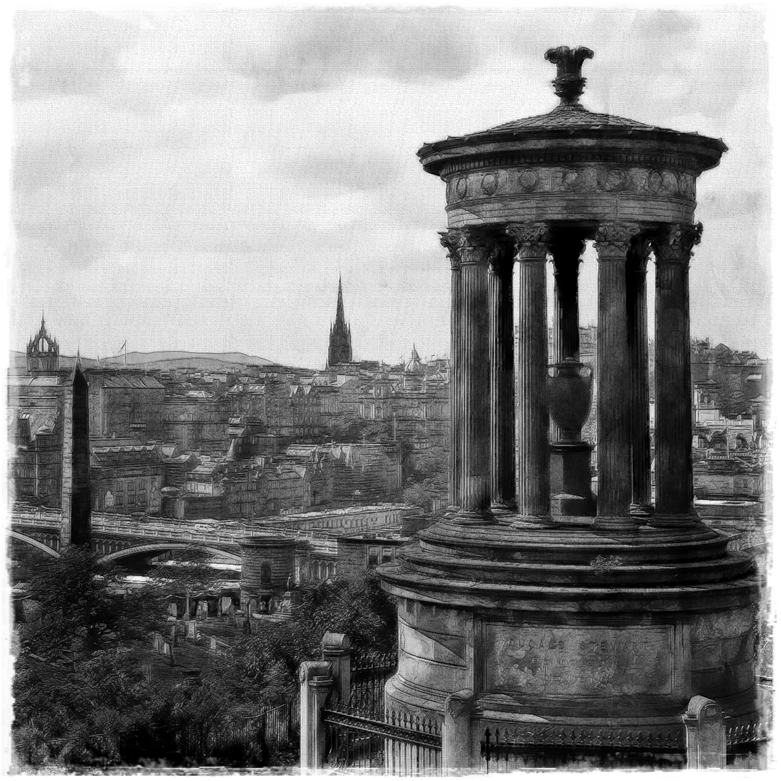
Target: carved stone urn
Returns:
[569, 386]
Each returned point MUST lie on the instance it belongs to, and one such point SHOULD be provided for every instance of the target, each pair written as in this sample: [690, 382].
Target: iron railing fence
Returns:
[507, 750]
[368, 676]
[747, 741]
[399, 744]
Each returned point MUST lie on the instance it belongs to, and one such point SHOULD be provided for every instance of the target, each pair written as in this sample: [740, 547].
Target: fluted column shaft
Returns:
[533, 476]
[500, 300]
[674, 490]
[639, 382]
[456, 412]
[472, 251]
[613, 407]
[566, 316]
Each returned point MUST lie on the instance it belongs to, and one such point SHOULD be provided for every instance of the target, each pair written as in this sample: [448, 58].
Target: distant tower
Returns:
[340, 349]
[43, 352]
[76, 503]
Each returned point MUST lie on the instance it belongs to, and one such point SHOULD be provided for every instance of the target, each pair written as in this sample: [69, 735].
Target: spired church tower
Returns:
[43, 352]
[340, 349]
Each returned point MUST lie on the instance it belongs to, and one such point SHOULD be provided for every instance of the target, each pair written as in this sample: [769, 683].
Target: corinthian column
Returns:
[614, 452]
[674, 491]
[456, 412]
[638, 372]
[532, 241]
[471, 250]
[500, 316]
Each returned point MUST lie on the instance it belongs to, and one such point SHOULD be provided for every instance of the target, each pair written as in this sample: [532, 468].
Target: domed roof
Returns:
[566, 125]
[414, 365]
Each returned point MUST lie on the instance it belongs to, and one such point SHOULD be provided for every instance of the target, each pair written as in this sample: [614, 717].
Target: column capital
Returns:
[642, 252]
[532, 239]
[675, 246]
[469, 246]
[614, 238]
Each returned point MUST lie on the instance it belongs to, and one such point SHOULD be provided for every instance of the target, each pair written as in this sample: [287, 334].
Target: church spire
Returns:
[340, 304]
[340, 348]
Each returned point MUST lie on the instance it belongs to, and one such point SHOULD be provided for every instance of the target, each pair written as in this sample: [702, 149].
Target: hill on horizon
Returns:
[160, 359]
[164, 356]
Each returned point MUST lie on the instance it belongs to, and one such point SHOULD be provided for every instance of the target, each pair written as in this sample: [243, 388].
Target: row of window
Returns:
[376, 555]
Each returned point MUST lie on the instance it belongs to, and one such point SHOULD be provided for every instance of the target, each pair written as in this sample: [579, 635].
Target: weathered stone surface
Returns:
[604, 629]
[579, 661]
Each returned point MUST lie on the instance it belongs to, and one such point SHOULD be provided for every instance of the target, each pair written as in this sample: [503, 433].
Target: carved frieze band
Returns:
[676, 245]
[532, 239]
[642, 181]
[466, 246]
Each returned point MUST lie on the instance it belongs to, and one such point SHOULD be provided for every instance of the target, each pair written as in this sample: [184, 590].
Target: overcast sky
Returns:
[199, 180]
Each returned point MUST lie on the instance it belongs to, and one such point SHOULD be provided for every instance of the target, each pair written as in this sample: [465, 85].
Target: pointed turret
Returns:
[43, 352]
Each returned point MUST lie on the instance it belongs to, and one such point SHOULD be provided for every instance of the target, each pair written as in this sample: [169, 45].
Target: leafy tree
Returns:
[76, 673]
[187, 575]
[84, 607]
[427, 478]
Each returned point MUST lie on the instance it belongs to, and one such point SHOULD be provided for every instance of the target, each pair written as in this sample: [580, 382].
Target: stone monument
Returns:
[589, 634]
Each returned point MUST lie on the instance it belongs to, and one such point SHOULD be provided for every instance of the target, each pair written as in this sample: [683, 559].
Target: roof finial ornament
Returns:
[568, 84]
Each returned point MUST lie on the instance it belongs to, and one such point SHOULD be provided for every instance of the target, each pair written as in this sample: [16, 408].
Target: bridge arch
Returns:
[164, 546]
[35, 543]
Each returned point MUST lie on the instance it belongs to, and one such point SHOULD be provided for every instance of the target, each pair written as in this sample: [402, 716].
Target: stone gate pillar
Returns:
[316, 682]
[674, 489]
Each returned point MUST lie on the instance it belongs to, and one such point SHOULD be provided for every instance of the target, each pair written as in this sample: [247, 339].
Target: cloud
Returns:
[68, 53]
[225, 166]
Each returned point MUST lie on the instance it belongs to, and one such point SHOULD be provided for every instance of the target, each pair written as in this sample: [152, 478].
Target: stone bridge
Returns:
[118, 537]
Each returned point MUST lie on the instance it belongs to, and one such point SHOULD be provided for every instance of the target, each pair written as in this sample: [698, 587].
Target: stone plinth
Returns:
[570, 478]
[566, 628]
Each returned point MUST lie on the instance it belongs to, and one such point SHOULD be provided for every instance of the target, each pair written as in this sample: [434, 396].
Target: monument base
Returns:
[574, 637]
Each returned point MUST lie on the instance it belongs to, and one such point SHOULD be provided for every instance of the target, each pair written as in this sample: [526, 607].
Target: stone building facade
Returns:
[35, 412]
[127, 476]
[126, 404]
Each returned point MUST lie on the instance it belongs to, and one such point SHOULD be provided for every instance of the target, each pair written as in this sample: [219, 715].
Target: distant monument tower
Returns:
[340, 349]
[43, 352]
[76, 501]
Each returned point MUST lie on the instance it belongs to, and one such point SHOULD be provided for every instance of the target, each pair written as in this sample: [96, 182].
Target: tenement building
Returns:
[616, 631]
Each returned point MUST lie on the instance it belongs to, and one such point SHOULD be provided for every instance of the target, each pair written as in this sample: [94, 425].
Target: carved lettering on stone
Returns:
[580, 661]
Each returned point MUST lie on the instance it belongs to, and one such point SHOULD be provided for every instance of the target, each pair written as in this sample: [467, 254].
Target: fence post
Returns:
[316, 682]
[706, 743]
[457, 732]
[335, 648]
